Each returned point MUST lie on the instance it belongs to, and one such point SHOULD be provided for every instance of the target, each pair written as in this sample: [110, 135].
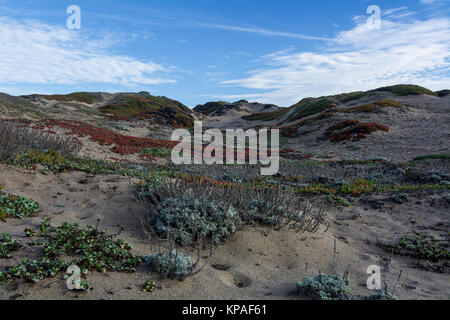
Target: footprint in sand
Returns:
[221, 267]
[235, 279]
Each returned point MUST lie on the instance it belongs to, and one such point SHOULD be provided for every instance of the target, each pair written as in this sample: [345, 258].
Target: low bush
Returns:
[190, 218]
[15, 137]
[190, 209]
[172, 264]
[324, 287]
[258, 213]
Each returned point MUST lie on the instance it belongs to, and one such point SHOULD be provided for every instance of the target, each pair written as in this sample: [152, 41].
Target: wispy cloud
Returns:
[357, 59]
[183, 18]
[260, 31]
[37, 53]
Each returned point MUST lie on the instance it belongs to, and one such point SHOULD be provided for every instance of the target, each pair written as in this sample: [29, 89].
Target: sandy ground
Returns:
[421, 127]
[249, 265]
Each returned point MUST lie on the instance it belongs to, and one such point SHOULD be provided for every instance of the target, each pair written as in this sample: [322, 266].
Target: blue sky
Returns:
[198, 51]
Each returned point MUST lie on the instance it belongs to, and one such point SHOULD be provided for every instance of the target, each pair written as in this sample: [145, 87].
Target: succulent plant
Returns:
[420, 247]
[89, 248]
[150, 286]
[8, 244]
[15, 206]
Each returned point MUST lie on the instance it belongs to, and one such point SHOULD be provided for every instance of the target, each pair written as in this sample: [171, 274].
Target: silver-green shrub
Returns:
[186, 211]
[173, 264]
[324, 287]
[188, 219]
[261, 211]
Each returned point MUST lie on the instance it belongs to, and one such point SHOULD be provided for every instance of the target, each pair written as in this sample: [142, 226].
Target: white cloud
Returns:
[427, 1]
[261, 31]
[358, 59]
[36, 53]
